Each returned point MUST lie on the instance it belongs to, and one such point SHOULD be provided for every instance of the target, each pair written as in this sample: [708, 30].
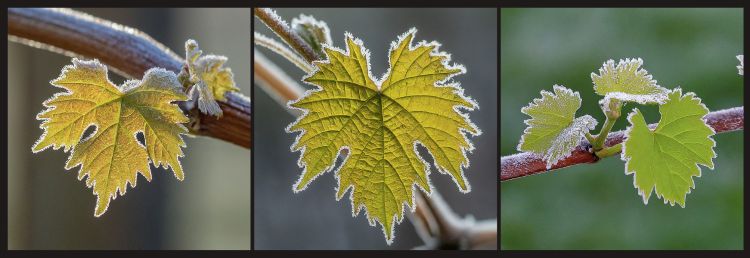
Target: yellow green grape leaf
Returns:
[380, 123]
[665, 159]
[210, 79]
[553, 130]
[111, 157]
[627, 82]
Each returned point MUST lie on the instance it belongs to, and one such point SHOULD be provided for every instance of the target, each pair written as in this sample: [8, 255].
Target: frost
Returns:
[628, 82]
[207, 77]
[742, 64]
[312, 31]
[568, 139]
[380, 123]
[553, 131]
[112, 156]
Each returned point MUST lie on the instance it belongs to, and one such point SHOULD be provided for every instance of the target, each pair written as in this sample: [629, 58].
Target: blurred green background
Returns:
[49, 209]
[595, 206]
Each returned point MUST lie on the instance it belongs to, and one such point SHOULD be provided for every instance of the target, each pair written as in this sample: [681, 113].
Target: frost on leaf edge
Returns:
[549, 162]
[378, 82]
[640, 99]
[124, 88]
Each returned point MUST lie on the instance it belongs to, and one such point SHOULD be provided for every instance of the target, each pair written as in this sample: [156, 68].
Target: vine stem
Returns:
[128, 52]
[526, 163]
[269, 17]
[438, 225]
[275, 46]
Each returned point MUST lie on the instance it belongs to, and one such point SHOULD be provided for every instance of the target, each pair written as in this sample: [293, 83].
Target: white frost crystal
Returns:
[628, 82]
[742, 64]
[553, 131]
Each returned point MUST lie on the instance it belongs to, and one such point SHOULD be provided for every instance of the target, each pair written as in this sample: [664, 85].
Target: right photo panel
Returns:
[376, 128]
[621, 129]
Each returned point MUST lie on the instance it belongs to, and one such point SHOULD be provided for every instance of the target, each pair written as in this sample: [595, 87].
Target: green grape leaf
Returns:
[380, 123]
[627, 82]
[665, 159]
[111, 157]
[553, 130]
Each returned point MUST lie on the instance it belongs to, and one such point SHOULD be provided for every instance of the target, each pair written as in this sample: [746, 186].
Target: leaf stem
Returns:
[611, 109]
[598, 142]
[609, 151]
[590, 138]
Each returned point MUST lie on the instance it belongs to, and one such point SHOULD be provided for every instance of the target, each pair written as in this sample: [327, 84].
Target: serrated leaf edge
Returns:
[549, 162]
[700, 171]
[124, 88]
[627, 96]
[378, 82]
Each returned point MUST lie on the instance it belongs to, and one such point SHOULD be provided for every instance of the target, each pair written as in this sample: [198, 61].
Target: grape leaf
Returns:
[210, 79]
[553, 131]
[665, 159]
[380, 123]
[627, 82]
[112, 156]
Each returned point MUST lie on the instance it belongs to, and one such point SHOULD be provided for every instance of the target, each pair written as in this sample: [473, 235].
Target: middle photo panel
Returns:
[375, 128]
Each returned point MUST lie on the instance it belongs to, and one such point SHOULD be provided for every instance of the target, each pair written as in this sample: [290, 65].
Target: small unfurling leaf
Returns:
[628, 82]
[209, 80]
[312, 31]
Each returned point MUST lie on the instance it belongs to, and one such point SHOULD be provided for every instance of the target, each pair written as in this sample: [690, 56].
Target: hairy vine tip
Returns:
[312, 31]
[208, 79]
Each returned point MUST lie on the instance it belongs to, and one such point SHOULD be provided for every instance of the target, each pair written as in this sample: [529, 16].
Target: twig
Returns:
[128, 52]
[281, 28]
[525, 163]
[433, 219]
[274, 81]
[441, 228]
[275, 46]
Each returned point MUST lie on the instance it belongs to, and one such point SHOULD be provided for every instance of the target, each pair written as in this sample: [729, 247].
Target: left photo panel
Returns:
[129, 129]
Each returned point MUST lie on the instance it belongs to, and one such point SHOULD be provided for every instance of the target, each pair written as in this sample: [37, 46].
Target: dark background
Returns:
[48, 208]
[313, 219]
[596, 206]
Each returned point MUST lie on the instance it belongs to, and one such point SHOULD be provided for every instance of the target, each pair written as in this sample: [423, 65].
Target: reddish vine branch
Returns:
[128, 52]
[525, 163]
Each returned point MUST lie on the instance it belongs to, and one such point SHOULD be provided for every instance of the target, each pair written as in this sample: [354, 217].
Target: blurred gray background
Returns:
[595, 206]
[313, 219]
[48, 208]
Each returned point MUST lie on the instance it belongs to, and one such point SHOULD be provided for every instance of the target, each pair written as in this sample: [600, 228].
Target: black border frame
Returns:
[497, 4]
